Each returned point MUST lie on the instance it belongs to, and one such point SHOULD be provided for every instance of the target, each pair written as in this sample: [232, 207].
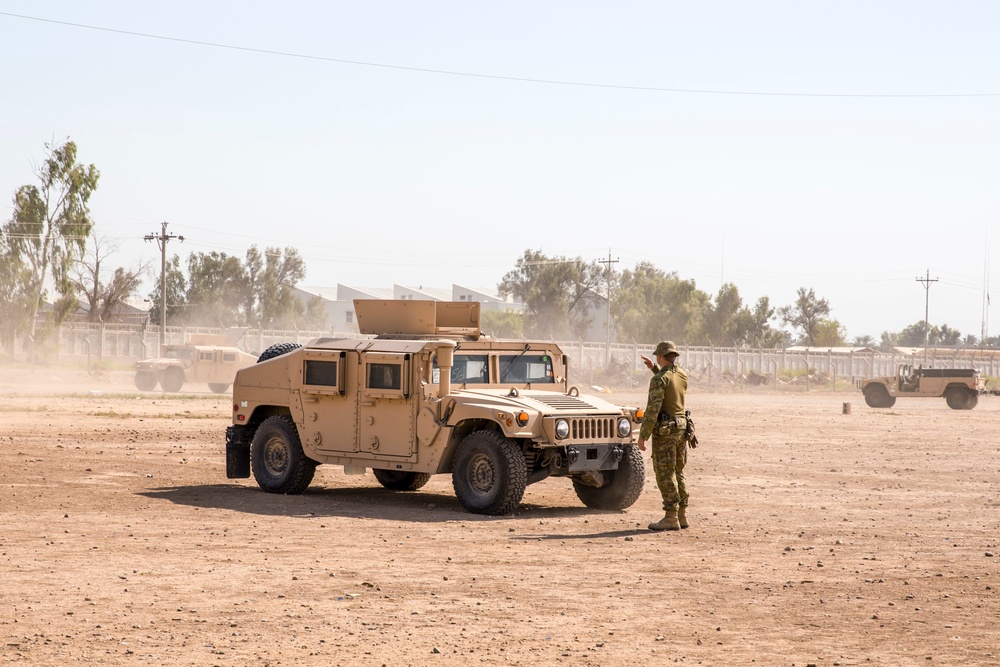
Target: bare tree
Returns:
[104, 293]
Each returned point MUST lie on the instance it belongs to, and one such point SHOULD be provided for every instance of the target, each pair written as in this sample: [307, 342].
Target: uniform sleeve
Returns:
[653, 404]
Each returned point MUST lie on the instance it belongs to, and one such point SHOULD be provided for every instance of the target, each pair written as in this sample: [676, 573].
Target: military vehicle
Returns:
[959, 386]
[203, 359]
[430, 394]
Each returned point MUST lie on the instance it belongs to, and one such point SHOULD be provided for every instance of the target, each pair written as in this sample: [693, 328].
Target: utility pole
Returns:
[927, 307]
[608, 262]
[161, 241]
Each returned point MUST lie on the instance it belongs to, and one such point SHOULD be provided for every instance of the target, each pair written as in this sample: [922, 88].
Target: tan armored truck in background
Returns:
[430, 394]
[959, 386]
[204, 359]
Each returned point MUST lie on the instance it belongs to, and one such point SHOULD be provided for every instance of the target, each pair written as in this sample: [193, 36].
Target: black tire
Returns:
[218, 387]
[277, 350]
[173, 379]
[489, 473]
[276, 457]
[959, 398]
[621, 488]
[877, 396]
[145, 380]
[398, 480]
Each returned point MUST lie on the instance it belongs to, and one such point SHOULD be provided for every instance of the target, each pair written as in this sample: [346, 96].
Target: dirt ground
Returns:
[817, 538]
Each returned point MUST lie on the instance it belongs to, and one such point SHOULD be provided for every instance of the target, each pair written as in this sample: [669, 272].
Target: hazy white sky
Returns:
[864, 152]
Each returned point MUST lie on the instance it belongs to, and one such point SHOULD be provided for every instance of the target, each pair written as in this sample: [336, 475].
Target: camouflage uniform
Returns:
[664, 420]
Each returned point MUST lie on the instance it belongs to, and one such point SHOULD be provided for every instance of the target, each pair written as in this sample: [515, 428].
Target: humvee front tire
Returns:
[218, 387]
[276, 457]
[277, 350]
[398, 480]
[877, 396]
[489, 473]
[621, 487]
[172, 380]
[145, 380]
[958, 398]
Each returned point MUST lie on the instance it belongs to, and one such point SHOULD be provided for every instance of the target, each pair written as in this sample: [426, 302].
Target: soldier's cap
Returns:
[665, 348]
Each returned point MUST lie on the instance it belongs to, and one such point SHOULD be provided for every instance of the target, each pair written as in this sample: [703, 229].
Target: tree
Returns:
[806, 314]
[829, 333]
[176, 293]
[103, 295]
[15, 304]
[50, 225]
[649, 304]
[727, 322]
[863, 341]
[214, 287]
[277, 306]
[559, 293]
[502, 323]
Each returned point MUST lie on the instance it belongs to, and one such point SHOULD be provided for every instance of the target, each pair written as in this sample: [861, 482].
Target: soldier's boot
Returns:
[681, 516]
[668, 522]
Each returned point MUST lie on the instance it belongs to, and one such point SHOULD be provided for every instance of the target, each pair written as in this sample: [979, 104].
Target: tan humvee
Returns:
[959, 386]
[430, 394]
[204, 359]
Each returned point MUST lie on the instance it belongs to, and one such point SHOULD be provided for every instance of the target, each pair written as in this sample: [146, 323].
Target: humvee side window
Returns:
[229, 356]
[523, 368]
[323, 373]
[385, 376]
[205, 356]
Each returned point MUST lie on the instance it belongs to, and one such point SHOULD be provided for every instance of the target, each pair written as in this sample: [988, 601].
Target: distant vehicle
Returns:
[199, 361]
[960, 387]
[430, 394]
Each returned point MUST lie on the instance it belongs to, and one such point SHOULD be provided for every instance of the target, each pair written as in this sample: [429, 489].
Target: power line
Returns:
[497, 77]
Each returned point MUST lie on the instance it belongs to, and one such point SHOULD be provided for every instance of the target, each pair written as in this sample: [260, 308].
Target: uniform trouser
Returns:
[669, 457]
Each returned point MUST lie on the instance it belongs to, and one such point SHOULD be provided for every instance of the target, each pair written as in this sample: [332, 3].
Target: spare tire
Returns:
[277, 350]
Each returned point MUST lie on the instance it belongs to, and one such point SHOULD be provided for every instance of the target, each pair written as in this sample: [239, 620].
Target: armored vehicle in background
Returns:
[430, 395]
[960, 387]
[204, 359]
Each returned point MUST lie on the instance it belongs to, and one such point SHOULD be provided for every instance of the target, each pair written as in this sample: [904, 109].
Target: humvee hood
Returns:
[541, 401]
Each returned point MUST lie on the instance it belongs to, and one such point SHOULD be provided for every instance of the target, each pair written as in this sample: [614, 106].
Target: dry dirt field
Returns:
[817, 538]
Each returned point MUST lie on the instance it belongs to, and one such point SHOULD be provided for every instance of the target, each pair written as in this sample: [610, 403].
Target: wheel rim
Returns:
[482, 473]
[275, 456]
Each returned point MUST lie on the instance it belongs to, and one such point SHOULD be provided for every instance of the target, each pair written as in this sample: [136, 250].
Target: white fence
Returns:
[123, 343]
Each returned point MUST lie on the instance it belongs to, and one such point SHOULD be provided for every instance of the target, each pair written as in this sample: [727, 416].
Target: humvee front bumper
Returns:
[580, 458]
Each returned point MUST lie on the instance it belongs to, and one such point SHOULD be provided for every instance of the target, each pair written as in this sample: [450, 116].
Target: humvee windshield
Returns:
[525, 368]
[180, 353]
[467, 369]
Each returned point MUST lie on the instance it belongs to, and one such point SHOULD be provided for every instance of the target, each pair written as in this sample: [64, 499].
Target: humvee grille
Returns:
[593, 428]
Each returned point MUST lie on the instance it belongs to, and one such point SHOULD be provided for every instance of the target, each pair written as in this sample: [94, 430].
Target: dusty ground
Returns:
[817, 538]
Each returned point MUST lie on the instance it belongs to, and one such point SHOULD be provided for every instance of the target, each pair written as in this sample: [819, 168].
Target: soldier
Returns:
[666, 422]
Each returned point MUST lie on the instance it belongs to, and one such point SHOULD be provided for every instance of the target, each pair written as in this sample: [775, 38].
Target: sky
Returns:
[851, 148]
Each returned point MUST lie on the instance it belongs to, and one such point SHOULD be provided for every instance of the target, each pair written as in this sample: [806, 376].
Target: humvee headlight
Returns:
[624, 427]
[562, 428]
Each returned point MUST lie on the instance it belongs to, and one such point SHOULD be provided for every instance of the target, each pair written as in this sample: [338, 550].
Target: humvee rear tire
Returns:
[172, 380]
[145, 380]
[877, 396]
[398, 480]
[276, 457]
[218, 387]
[959, 398]
[277, 350]
[489, 473]
[621, 488]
